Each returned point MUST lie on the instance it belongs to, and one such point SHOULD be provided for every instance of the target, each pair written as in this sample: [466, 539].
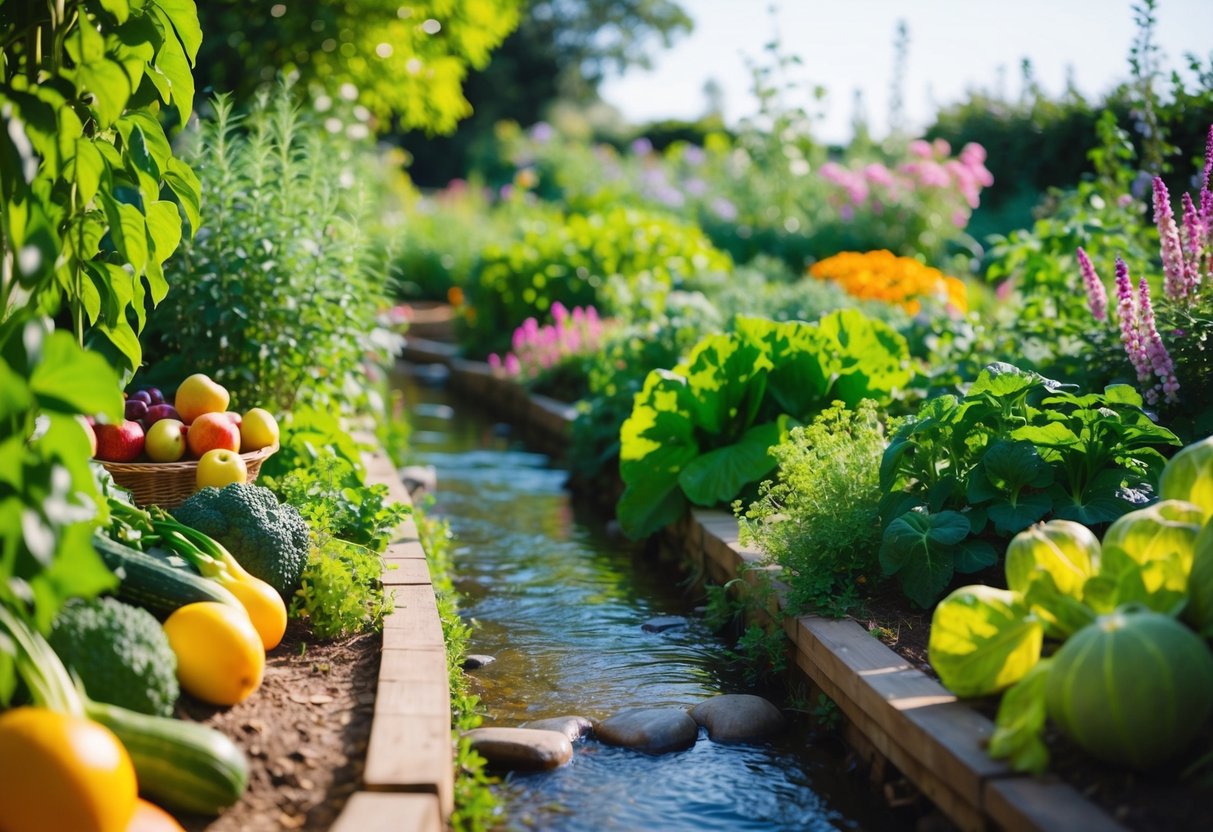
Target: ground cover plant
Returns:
[1015, 449]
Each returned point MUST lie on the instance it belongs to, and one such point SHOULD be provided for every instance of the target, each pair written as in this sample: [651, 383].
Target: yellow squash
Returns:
[220, 658]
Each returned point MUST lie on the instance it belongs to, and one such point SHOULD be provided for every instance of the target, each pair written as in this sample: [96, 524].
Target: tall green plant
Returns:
[274, 297]
[85, 165]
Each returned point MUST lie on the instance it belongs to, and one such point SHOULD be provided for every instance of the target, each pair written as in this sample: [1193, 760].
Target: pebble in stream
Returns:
[475, 661]
[573, 727]
[662, 623]
[521, 749]
[738, 717]
[651, 730]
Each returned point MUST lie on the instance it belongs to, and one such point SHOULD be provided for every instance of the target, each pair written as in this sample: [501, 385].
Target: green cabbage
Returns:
[1189, 476]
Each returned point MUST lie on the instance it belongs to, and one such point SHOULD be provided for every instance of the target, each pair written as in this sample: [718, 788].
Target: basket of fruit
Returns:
[162, 453]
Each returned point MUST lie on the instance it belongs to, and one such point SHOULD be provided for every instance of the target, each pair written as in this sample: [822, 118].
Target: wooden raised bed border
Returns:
[408, 782]
[895, 712]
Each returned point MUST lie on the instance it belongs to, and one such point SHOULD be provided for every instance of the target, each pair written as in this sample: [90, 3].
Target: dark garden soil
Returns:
[305, 732]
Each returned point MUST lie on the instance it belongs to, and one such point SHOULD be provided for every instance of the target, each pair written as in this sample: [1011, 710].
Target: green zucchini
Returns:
[148, 580]
[179, 765]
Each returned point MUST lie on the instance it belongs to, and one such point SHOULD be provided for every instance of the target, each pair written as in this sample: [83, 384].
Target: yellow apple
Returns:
[165, 441]
[258, 429]
[198, 394]
[220, 467]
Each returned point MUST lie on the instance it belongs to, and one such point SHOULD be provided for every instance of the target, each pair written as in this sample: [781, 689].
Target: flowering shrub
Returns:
[1169, 343]
[537, 349]
[882, 275]
[912, 202]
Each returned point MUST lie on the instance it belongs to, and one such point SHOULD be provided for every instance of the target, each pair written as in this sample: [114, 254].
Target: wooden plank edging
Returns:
[933, 738]
[408, 781]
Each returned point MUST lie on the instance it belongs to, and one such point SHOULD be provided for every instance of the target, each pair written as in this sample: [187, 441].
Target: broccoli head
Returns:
[269, 539]
[120, 653]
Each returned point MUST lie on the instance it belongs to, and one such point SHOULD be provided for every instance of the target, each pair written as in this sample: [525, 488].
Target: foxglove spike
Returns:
[1097, 295]
[1174, 283]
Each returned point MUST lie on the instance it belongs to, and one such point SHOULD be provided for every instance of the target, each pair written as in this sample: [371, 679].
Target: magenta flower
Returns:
[1174, 282]
[1126, 311]
[1208, 160]
[1097, 295]
[1194, 230]
[1155, 352]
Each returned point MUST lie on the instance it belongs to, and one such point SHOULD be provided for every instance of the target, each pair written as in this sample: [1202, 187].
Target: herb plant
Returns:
[820, 519]
[1015, 449]
[274, 296]
[701, 432]
[341, 592]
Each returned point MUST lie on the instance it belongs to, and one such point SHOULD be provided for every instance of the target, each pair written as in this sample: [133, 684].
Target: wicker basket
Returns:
[167, 484]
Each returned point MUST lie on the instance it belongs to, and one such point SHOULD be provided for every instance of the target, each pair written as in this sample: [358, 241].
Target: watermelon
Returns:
[1132, 689]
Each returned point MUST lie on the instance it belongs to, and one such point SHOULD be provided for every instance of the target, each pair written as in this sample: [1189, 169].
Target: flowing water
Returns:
[560, 605]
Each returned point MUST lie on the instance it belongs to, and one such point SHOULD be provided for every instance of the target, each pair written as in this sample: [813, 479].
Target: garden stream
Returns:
[560, 605]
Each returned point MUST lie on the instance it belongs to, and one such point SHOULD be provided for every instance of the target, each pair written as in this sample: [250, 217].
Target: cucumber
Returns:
[150, 581]
[180, 765]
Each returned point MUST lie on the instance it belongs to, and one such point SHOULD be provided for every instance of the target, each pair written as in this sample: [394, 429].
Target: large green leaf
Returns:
[183, 15]
[174, 65]
[726, 379]
[983, 640]
[873, 358]
[129, 230]
[109, 87]
[1019, 726]
[70, 380]
[719, 476]
[184, 184]
[803, 366]
[919, 548]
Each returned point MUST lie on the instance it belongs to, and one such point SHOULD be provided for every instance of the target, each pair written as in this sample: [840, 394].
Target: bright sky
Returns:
[955, 45]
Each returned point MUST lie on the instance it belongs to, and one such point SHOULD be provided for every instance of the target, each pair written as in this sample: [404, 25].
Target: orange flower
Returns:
[882, 275]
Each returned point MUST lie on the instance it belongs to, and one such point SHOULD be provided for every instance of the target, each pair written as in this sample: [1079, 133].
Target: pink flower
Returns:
[512, 365]
[1155, 352]
[973, 155]
[960, 218]
[1097, 295]
[1126, 311]
[495, 361]
[1174, 283]
[878, 174]
[1194, 229]
[941, 147]
[921, 149]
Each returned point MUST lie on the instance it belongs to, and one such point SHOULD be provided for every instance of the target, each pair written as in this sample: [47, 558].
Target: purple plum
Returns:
[156, 395]
[136, 409]
[142, 396]
[160, 411]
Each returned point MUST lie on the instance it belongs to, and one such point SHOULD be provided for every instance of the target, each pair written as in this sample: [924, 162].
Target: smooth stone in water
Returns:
[573, 727]
[662, 623]
[652, 730]
[521, 749]
[419, 478]
[738, 717]
[475, 661]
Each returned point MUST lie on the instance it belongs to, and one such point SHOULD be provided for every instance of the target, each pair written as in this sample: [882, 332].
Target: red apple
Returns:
[121, 443]
[160, 411]
[212, 431]
[235, 417]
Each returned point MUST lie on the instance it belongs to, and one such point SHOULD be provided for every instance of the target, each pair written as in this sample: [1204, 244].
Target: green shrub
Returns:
[274, 297]
[623, 262]
[820, 519]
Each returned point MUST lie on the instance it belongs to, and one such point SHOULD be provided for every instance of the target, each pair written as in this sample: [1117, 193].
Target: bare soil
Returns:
[305, 732]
